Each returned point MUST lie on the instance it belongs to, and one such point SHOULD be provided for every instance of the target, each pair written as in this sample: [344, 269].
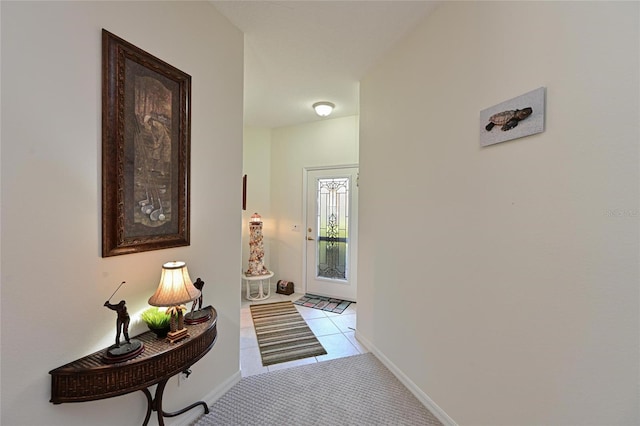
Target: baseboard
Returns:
[415, 390]
[190, 416]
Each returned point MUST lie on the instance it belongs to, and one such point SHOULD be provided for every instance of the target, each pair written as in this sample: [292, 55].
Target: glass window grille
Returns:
[333, 228]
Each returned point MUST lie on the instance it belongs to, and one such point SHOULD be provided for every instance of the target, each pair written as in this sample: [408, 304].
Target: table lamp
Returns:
[174, 290]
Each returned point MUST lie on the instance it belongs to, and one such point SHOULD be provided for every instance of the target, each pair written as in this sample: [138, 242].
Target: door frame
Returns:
[305, 203]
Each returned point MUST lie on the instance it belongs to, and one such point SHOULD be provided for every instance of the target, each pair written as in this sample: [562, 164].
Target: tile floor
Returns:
[334, 331]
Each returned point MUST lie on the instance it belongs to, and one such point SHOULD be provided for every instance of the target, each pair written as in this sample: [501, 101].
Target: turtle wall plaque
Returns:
[512, 119]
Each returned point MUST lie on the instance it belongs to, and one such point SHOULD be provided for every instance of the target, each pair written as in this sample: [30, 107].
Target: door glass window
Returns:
[333, 228]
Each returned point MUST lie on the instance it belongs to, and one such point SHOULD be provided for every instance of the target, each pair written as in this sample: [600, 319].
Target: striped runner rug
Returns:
[282, 333]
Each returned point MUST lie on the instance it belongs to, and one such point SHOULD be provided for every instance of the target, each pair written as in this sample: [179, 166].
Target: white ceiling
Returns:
[301, 52]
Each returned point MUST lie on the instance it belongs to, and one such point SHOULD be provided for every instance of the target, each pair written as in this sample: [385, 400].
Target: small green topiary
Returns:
[155, 318]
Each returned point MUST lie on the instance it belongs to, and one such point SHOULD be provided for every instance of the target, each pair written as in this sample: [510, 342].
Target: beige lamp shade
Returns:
[175, 286]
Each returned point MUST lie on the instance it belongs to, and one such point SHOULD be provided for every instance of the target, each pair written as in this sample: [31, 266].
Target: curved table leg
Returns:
[157, 405]
[149, 406]
[184, 410]
[157, 402]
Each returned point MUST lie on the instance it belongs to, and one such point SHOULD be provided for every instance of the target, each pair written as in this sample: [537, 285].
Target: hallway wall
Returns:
[256, 164]
[54, 281]
[503, 281]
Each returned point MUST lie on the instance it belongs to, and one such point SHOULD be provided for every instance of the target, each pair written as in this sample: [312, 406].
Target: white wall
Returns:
[322, 143]
[54, 281]
[257, 166]
[510, 271]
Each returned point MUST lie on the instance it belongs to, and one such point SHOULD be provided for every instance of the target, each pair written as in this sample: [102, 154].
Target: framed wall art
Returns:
[146, 124]
[244, 192]
[516, 118]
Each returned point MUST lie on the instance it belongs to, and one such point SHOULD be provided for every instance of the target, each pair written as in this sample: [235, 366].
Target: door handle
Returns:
[310, 239]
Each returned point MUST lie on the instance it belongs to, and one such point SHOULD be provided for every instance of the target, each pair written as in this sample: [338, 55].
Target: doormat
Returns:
[283, 335]
[329, 304]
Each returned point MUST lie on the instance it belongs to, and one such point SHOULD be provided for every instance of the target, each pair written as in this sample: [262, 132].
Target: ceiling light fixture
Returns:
[323, 109]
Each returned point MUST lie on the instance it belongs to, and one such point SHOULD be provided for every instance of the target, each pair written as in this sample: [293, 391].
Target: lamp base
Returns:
[174, 336]
[197, 317]
[123, 352]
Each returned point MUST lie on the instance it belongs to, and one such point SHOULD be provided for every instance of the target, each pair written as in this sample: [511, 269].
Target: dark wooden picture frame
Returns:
[244, 192]
[146, 126]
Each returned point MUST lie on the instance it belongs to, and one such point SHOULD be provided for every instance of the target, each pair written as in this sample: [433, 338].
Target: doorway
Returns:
[331, 228]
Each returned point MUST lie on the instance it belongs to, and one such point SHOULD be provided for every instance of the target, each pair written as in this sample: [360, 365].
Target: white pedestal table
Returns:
[260, 279]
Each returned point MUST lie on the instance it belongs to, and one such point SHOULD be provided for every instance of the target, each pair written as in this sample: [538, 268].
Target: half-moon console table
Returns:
[90, 378]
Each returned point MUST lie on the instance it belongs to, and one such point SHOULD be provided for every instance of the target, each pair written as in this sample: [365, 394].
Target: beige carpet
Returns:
[283, 335]
[353, 391]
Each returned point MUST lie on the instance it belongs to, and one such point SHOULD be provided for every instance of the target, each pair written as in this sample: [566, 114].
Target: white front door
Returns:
[332, 232]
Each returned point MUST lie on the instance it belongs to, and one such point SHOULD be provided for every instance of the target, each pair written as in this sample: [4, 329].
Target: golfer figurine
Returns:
[122, 321]
[197, 316]
[130, 349]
